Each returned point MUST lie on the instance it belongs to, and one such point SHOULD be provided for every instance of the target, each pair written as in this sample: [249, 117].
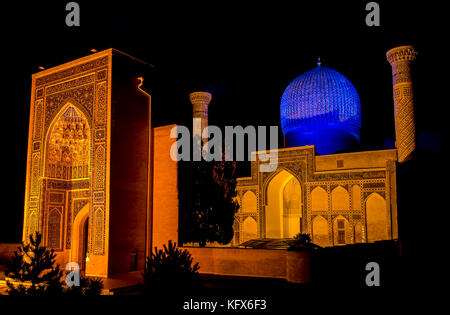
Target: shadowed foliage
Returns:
[302, 241]
[170, 270]
[34, 266]
[33, 272]
[207, 201]
[88, 287]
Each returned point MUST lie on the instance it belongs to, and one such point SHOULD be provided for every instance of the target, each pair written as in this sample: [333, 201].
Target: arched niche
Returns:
[376, 218]
[342, 232]
[67, 149]
[320, 233]
[249, 229]
[67, 159]
[79, 235]
[283, 209]
[340, 199]
[319, 199]
[248, 202]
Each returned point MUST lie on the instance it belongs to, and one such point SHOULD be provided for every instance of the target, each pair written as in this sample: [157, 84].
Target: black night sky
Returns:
[245, 55]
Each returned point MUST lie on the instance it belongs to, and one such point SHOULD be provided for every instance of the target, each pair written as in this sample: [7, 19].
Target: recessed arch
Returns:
[342, 232]
[248, 202]
[269, 179]
[320, 233]
[376, 218]
[78, 250]
[67, 145]
[67, 103]
[319, 199]
[340, 199]
[249, 229]
[283, 209]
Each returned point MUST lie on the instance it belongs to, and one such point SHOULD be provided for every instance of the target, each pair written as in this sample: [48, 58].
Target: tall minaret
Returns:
[400, 59]
[200, 102]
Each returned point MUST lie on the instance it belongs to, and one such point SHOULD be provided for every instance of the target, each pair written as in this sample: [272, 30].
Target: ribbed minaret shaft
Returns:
[400, 59]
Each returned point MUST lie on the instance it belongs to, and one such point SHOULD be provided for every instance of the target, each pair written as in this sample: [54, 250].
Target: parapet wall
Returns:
[267, 263]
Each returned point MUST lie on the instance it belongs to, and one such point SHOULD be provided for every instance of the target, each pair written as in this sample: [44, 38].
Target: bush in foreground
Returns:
[32, 271]
[170, 271]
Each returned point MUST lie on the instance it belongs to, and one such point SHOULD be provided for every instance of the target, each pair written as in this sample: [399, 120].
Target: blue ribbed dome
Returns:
[321, 107]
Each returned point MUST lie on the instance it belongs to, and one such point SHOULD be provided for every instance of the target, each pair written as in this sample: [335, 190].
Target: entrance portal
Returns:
[84, 244]
[80, 235]
[284, 206]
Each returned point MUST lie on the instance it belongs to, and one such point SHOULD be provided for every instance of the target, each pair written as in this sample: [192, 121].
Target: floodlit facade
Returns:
[102, 188]
[91, 186]
[338, 198]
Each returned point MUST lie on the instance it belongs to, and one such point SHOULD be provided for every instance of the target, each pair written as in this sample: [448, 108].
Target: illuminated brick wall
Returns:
[165, 189]
[104, 177]
[70, 102]
[344, 198]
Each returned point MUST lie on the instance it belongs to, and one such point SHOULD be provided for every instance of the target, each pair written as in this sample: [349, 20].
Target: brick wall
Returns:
[165, 189]
[267, 263]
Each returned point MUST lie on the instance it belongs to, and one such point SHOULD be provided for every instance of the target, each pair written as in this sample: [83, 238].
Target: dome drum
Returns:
[327, 139]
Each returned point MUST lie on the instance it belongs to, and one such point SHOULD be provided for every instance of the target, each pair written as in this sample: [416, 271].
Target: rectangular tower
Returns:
[89, 149]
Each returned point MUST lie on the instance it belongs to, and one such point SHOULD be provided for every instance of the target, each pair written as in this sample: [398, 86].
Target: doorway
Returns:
[84, 244]
[80, 235]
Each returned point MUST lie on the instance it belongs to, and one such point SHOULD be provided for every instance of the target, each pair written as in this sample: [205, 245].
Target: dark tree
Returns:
[170, 271]
[88, 287]
[302, 241]
[207, 192]
[34, 265]
[34, 272]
